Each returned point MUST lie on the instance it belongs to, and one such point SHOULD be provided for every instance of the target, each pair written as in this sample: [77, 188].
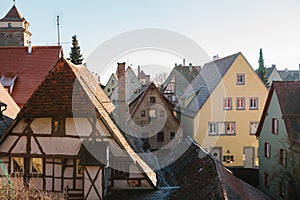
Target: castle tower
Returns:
[14, 29]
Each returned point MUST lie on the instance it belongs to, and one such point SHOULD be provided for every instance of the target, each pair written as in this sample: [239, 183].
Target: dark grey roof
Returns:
[204, 84]
[269, 70]
[93, 153]
[5, 122]
[13, 15]
[289, 75]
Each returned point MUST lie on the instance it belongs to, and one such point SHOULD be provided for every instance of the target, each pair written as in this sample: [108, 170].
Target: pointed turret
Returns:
[14, 29]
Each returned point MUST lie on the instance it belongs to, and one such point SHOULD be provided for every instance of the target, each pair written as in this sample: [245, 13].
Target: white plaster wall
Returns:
[20, 146]
[78, 126]
[34, 147]
[19, 128]
[60, 146]
[41, 125]
[92, 170]
[4, 166]
[7, 143]
[13, 24]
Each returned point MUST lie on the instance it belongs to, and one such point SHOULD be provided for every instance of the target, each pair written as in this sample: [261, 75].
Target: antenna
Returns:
[58, 33]
[14, 1]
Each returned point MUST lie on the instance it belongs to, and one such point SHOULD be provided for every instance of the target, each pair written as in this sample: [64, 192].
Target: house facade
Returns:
[222, 108]
[273, 74]
[111, 85]
[278, 136]
[152, 120]
[178, 80]
[69, 142]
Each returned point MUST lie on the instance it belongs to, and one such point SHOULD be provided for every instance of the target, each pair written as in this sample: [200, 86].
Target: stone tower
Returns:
[14, 29]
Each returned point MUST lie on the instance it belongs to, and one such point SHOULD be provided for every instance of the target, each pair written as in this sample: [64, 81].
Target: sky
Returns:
[221, 27]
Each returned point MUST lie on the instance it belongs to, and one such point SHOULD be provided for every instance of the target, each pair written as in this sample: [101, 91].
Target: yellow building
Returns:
[221, 110]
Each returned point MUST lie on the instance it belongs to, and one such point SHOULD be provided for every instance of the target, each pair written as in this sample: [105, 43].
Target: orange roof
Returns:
[30, 69]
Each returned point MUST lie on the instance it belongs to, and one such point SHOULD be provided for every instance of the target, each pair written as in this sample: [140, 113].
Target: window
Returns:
[240, 103]
[79, 167]
[230, 127]
[212, 128]
[152, 99]
[108, 89]
[172, 135]
[36, 165]
[282, 189]
[267, 150]
[135, 91]
[253, 103]
[113, 82]
[227, 103]
[160, 137]
[221, 128]
[9, 25]
[58, 126]
[267, 180]
[253, 127]
[17, 164]
[240, 79]
[282, 157]
[143, 113]
[274, 126]
[152, 113]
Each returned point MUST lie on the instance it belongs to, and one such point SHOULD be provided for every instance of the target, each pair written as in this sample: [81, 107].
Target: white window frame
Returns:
[213, 128]
[227, 103]
[242, 101]
[253, 123]
[242, 82]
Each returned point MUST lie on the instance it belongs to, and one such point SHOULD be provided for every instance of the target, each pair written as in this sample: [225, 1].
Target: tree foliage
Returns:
[75, 55]
[289, 174]
[262, 72]
[160, 78]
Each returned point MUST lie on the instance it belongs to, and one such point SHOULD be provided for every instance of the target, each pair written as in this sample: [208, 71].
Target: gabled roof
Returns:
[13, 15]
[269, 70]
[30, 69]
[70, 90]
[185, 71]
[288, 94]
[204, 84]
[134, 104]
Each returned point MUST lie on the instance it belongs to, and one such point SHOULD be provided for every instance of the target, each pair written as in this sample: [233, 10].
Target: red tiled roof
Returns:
[30, 69]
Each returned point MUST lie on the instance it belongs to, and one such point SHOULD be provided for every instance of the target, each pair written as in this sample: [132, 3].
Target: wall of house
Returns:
[267, 165]
[212, 111]
[132, 85]
[274, 76]
[110, 85]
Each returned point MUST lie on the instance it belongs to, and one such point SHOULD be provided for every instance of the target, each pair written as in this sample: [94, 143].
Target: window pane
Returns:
[160, 137]
[37, 165]
[253, 127]
[152, 113]
[18, 164]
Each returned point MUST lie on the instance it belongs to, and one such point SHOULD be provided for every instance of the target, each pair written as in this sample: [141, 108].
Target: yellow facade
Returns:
[213, 111]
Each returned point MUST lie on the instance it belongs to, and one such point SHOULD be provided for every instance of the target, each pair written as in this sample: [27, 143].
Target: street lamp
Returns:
[3, 107]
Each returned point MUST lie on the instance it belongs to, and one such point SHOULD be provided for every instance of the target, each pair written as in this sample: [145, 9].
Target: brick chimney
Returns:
[121, 96]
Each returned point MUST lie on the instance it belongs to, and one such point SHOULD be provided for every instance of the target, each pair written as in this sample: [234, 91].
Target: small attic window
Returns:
[58, 126]
[9, 25]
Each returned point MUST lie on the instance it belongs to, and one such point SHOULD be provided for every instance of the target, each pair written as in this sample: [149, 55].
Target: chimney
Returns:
[273, 65]
[216, 57]
[175, 64]
[121, 96]
[139, 71]
[190, 67]
[29, 47]
[184, 62]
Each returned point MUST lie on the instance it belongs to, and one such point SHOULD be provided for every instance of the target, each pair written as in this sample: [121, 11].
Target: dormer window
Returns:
[9, 25]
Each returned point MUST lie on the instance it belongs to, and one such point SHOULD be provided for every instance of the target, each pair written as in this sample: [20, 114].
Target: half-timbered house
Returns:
[63, 138]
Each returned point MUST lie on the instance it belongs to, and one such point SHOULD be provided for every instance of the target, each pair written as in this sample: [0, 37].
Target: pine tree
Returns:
[262, 72]
[75, 55]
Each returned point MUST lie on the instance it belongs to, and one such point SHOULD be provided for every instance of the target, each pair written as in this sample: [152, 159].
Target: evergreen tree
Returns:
[262, 72]
[75, 55]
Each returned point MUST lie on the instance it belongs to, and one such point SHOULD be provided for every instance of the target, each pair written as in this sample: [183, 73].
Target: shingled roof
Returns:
[29, 69]
[288, 94]
[194, 175]
[13, 15]
[204, 84]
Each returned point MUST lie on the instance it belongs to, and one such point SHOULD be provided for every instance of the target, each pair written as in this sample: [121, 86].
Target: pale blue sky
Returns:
[219, 27]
